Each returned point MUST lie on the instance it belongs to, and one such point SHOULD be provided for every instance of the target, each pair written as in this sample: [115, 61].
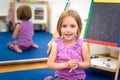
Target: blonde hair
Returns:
[73, 14]
[24, 12]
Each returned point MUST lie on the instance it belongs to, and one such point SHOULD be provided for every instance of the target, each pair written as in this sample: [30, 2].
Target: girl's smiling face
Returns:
[69, 28]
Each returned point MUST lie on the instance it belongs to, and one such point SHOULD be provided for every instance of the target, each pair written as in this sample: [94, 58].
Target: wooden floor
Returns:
[22, 66]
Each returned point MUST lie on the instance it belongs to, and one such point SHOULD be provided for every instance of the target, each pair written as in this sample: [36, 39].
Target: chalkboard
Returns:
[103, 23]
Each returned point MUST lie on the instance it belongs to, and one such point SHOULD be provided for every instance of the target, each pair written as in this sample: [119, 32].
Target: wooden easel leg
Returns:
[49, 47]
[48, 50]
[117, 69]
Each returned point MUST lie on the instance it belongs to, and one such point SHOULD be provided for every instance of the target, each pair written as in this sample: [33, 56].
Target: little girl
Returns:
[69, 55]
[23, 31]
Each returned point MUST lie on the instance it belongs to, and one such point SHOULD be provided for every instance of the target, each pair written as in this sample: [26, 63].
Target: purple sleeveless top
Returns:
[25, 34]
[66, 53]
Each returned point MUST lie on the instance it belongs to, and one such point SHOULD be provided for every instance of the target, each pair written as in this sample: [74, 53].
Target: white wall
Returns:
[4, 7]
[57, 7]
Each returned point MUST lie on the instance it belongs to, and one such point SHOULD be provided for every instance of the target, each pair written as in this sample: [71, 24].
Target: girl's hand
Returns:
[72, 69]
[72, 63]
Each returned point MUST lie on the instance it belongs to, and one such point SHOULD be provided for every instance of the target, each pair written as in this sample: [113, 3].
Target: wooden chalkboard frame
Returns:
[113, 20]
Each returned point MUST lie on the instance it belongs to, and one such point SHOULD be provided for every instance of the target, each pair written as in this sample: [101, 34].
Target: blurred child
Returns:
[70, 54]
[24, 31]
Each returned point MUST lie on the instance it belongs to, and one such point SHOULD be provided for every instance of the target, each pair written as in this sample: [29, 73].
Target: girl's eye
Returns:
[73, 26]
[64, 25]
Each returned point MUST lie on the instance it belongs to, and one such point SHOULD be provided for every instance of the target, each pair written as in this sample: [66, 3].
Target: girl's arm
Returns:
[51, 63]
[16, 31]
[33, 32]
[86, 57]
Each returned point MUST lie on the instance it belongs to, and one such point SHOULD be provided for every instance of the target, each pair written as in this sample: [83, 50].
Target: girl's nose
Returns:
[68, 28]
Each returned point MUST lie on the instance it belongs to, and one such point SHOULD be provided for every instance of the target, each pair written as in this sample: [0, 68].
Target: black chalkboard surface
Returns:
[103, 23]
